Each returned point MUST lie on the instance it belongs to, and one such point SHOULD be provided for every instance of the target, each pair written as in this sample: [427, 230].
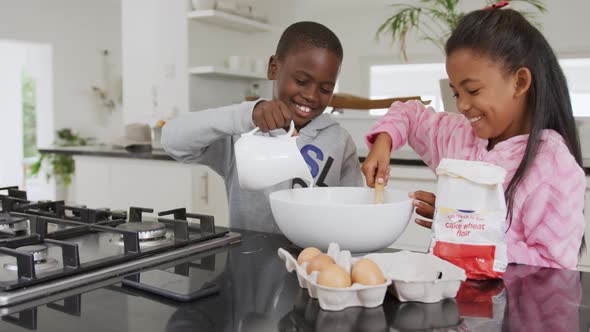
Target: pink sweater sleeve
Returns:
[553, 223]
[432, 135]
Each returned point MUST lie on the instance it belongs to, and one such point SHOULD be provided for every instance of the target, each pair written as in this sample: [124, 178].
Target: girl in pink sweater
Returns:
[515, 112]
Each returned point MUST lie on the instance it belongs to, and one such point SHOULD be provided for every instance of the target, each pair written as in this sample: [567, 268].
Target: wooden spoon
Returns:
[379, 192]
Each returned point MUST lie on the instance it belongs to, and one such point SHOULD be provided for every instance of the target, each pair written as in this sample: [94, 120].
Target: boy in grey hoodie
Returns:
[304, 70]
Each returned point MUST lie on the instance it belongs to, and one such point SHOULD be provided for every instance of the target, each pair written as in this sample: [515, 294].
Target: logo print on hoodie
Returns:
[310, 154]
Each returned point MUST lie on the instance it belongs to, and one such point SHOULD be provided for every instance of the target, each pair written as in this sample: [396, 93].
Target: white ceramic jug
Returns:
[263, 161]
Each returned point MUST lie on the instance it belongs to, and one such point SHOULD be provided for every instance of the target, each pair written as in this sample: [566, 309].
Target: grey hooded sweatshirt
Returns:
[208, 137]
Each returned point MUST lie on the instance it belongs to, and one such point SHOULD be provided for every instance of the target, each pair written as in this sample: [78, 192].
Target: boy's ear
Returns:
[523, 81]
[273, 68]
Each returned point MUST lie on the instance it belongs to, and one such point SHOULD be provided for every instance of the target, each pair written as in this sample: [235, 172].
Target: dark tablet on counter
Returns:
[171, 285]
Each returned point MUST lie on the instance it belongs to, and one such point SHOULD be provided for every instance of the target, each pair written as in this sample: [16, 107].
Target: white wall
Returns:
[11, 100]
[212, 45]
[160, 44]
[77, 31]
[154, 34]
[355, 22]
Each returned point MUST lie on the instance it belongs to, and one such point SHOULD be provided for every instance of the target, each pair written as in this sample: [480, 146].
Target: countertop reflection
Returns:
[258, 294]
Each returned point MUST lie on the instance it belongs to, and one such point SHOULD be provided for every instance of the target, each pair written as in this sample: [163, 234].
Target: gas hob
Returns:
[47, 247]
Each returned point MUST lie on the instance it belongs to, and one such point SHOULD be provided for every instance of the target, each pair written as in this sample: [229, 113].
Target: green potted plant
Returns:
[433, 21]
[62, 165]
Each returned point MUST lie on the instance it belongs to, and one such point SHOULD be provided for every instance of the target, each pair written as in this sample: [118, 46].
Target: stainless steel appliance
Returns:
[47, 247]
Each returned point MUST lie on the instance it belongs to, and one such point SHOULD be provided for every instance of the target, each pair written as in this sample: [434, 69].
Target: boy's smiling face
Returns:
[304, 80]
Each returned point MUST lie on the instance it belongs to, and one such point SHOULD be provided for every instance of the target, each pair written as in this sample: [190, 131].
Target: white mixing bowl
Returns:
[345, 215]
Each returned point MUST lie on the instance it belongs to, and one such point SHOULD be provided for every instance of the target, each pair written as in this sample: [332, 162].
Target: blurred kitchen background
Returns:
[86, 68]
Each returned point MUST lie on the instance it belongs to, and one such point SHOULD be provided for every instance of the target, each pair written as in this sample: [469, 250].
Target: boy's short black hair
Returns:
[308, 34]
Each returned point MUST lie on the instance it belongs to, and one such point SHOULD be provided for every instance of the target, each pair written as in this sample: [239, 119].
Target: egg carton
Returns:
[307, 315]
[336, 299]
[422, 278]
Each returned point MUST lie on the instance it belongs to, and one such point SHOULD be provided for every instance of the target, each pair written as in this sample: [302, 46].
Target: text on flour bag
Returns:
[470, 217]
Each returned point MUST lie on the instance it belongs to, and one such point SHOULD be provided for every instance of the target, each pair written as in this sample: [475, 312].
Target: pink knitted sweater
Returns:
[548, 220]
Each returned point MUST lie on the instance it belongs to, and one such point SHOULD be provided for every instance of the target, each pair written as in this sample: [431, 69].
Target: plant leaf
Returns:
[440, 18]
[400, 23]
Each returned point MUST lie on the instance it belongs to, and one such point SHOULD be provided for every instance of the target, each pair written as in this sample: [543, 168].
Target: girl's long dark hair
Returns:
[506, 36]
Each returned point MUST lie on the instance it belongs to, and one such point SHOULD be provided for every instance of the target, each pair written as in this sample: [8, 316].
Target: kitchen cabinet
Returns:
[161, 185]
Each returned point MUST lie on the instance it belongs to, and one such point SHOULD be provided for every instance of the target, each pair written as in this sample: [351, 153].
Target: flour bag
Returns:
[470, 217]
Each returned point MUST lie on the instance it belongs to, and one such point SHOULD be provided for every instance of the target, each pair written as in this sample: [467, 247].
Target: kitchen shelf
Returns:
[221, 72]
[227, 20]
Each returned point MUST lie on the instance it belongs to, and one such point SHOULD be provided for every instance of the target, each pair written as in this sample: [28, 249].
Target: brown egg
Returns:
[366, 272]
[307, 254]
[319, 262]
[334, 276]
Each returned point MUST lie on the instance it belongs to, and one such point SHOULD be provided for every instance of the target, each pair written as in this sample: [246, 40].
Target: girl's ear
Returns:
[273, 68]
[523, 81]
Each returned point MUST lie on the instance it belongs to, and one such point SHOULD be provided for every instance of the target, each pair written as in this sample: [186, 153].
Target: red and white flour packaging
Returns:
[470, 217]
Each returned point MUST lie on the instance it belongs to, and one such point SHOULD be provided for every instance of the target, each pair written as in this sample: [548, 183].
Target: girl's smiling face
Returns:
[493, 100]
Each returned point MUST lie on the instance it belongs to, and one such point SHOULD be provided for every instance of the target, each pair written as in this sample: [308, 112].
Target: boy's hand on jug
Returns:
[271, 114]
[376, 165]
[424, 202]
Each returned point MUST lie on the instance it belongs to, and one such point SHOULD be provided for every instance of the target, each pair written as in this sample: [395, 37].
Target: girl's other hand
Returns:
[376, 166]
[424, 203]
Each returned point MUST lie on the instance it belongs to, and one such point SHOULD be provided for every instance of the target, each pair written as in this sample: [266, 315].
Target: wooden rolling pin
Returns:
[379, 193]
[346, 101]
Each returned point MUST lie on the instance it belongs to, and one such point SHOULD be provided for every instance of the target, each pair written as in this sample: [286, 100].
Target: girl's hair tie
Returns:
[498, 5]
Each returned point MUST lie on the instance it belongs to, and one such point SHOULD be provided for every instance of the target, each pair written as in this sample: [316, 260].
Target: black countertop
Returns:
[257, 294]
[109, 151]
[404, 158]
[160, 154]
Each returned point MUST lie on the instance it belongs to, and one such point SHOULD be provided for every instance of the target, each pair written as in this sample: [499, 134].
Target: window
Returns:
[29, 116]
[400, 80]
[387, 81]
[577, 72]
[26, 99]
